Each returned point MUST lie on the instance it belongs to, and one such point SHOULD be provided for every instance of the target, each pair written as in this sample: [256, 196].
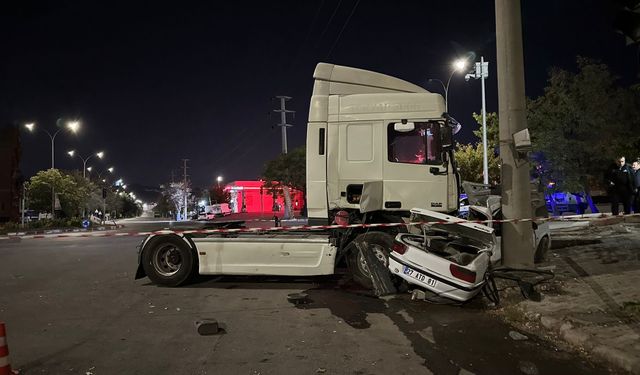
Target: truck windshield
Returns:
[419, 146]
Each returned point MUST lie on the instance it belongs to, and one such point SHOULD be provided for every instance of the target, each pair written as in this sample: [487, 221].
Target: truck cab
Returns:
[376, 144]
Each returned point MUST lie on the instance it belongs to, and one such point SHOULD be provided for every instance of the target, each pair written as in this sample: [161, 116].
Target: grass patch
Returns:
[631, 307]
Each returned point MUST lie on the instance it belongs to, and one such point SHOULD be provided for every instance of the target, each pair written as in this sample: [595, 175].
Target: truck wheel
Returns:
[541, 250]
[381, 244]
[168, 261]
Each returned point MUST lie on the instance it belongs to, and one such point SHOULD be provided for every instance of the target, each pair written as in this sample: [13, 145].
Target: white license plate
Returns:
[418, 276]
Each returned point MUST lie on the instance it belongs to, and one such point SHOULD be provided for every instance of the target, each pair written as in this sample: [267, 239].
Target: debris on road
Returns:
[517, 336]
[298, 298]
[208, 327]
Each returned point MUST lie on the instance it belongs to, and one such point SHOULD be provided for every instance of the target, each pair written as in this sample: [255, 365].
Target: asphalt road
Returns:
[72, 307]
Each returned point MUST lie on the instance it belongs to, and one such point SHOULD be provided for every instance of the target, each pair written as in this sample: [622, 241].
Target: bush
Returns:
[8, 227]
[56, 223]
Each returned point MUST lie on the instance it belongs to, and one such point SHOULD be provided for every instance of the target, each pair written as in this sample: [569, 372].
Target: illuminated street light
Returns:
[110, 169]
[458, 66]
[100, 155]
[74, 126]
[219, 179]
[71, 126]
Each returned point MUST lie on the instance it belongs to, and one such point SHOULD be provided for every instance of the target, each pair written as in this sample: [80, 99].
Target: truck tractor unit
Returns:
[377, 147]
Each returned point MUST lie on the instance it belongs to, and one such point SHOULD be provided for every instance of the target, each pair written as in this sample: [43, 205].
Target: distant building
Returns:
[253, 196]
[10, 177]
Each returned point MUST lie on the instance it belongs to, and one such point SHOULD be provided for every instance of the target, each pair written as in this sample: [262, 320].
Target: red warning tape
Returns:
[306, 227]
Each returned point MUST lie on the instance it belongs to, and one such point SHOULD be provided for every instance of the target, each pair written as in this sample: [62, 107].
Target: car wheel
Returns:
[381, 244]
[168, 261]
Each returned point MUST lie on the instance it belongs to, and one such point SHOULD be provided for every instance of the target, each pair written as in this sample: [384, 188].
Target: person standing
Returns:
[635, 199]
[619, 180]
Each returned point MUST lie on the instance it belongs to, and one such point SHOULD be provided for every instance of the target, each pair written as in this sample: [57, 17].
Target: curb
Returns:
[100, 228]
[577, 337]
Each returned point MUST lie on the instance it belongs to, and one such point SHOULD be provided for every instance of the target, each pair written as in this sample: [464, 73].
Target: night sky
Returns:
[153, 82]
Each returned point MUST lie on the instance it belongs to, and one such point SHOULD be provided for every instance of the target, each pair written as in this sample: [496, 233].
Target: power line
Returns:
[326, 27]
[353, 10]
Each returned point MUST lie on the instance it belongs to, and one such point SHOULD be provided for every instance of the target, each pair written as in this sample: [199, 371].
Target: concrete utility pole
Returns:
[283, 120]
[184, 170]
[517, 238]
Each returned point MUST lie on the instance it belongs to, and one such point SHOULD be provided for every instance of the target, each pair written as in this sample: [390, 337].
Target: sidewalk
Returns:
[594, 301]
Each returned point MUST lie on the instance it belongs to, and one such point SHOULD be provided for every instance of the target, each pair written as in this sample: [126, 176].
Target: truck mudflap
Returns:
[140, 271]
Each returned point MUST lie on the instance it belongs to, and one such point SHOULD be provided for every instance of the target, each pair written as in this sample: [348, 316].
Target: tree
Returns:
[67, 190]
[287, 171]
[165, 206]
[493, 130]
[175, 193]
[581, 122]
[219, 195]
[84, 188]
[469, 157]
[470, 164]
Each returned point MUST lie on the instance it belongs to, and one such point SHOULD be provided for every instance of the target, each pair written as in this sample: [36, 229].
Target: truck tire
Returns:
[169, 261]
[381, 243]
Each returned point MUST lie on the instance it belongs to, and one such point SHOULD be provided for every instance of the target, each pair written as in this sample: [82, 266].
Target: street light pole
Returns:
[71, 126]
[485, 163]
[481, 72]
[458, 65]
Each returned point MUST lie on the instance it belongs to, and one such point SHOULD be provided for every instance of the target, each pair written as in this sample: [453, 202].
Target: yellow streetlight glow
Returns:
[74, 126]
[30, 126]
[460, 64]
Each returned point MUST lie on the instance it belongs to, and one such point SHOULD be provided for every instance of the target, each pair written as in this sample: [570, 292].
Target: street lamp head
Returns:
[89, 168]
[30, 126]
[74, 126]
[110, 169]
[71, 153]
[100, 154]
[460, 64]
[104, 180]
[219, 179]
[124, 186]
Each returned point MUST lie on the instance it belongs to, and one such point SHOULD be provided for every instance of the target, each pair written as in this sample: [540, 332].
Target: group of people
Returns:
[623, 182]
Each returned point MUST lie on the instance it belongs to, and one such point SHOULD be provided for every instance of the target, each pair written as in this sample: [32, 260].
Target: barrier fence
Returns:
[307, 227]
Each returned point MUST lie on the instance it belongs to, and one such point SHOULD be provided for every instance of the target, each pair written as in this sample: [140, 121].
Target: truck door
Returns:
[416, 173]
[317, 173]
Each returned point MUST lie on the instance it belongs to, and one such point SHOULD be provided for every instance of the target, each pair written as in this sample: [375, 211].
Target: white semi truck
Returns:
[377, 146]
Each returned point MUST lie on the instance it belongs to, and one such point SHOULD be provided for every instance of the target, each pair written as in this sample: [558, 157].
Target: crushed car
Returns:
[450, 257]
[444, 255]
